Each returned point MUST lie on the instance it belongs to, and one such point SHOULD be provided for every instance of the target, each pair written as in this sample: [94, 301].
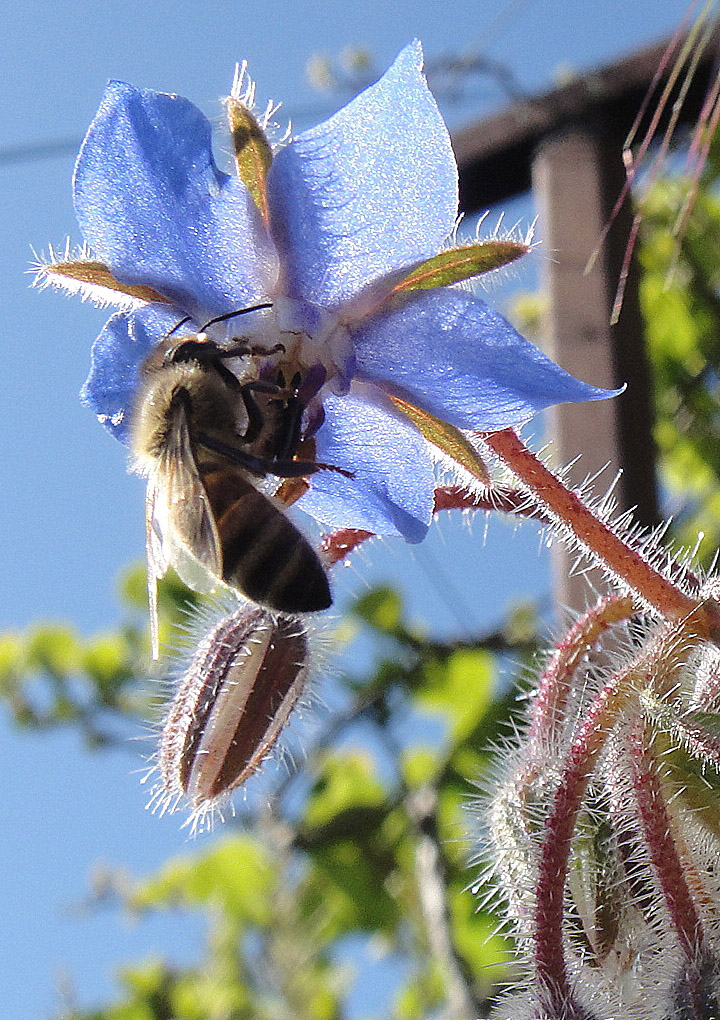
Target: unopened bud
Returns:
[235, 696]
[695, 992]
[523, 1006]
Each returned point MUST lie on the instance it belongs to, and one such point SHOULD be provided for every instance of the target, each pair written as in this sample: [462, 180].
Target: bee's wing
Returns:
[179, 522]
[191, 523]
[157, 562]
[155, 528]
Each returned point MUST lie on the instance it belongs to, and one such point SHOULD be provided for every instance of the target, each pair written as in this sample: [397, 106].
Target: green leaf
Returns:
[54, 648]
[133, 586]
[475, 935]
[347, 781]
[235, 874]
[420, 766]
[452, 823]
[351, 840]
[382, 608]
[469, 761]
[349, 889]
[105, 659]
[422, 995]
[324, 1004]
[172, 593]
[199, 995]
[461, 688]
[528, 312]
[11, 660]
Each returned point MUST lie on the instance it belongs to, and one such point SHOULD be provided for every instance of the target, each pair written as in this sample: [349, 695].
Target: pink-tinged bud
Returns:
[523, 1006]
[234, 698]
[696, 992]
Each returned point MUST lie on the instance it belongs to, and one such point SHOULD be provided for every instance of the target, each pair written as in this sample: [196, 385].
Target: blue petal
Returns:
[117, 354]
[155, 208]
[392, 491]
[372, 189]
[449, 353]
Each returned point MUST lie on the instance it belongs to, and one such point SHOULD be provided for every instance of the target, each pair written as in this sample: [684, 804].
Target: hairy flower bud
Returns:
[520, 1006]
[235, 696]
[602, 828]
[695, 992]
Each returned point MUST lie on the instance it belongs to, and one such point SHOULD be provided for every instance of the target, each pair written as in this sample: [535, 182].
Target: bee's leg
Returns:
[288, 433]
[262, 466]
[240, 348]
[255, 414]
[295, 468]
[288, 469]
[255, 465]
[210, 353]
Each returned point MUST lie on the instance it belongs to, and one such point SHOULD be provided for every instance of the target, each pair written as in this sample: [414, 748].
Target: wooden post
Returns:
[568, 144]
[577, 176]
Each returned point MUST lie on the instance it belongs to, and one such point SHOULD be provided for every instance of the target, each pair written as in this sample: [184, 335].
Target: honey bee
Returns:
[205, 514]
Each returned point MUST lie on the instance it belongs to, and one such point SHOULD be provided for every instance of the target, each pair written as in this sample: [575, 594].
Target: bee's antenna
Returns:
[177, 326]
[231, 315]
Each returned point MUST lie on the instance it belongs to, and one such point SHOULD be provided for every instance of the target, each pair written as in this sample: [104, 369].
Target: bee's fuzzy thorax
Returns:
[209, 401]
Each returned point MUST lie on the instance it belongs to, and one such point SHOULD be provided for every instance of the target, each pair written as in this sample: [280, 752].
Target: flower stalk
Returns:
[585, 827]
[662, 844]
[551, 971]
[556, 682]
[674, 599]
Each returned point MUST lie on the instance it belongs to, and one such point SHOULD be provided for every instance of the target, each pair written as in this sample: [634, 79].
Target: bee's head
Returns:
[195, 347]
[179, 350]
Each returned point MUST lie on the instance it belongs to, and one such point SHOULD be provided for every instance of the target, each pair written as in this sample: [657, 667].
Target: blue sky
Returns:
[71, 517]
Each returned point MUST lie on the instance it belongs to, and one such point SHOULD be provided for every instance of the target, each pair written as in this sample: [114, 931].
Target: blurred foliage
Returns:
[49, 676]
[681, 306]
[373, 861]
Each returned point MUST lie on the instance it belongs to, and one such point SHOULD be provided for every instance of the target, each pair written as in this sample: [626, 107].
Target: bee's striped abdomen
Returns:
[266, 556]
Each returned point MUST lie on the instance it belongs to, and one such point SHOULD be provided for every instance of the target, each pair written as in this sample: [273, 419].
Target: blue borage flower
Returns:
[335, 230]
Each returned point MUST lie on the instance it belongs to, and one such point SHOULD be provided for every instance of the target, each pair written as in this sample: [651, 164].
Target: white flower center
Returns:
[311, 337]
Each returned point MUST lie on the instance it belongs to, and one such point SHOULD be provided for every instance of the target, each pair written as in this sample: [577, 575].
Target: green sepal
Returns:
[253, 154]
[446, 438]
[462, 264]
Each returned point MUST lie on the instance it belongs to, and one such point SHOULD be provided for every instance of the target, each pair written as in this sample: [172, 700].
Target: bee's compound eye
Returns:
[194, 348]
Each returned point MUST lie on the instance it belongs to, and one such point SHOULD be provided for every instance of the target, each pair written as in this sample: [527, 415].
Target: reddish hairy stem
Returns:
[497, 497]
[662, 846]
[551, 969]
[601, 542]
[556, 681]
[337, 545]
[699, 742]
[660, 660]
